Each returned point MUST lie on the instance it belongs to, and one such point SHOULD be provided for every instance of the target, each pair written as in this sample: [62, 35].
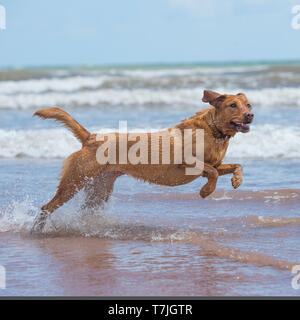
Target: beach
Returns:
[150, 240]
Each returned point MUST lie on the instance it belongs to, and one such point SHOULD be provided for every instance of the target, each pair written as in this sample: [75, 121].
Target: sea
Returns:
[150, 240]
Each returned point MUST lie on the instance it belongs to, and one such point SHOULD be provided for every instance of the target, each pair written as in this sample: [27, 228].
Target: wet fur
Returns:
[81, 169]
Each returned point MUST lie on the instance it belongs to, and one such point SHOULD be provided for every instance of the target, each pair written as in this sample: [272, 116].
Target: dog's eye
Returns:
[233, 105]
[249, 106]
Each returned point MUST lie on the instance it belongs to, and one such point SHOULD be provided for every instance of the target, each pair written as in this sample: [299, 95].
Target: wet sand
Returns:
[107, 254]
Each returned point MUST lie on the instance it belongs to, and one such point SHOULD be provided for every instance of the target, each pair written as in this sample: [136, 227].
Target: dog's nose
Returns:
[249, 116]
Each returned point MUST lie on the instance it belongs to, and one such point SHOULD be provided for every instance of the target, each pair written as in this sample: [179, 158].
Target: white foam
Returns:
[267, 141]
[70, 219]
[53, 84]
[109, 97]
[18, 216]
[264, 141]
[188, 71]
[57, 143]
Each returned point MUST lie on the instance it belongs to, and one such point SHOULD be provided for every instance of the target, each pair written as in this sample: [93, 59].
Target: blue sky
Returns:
[146, 31]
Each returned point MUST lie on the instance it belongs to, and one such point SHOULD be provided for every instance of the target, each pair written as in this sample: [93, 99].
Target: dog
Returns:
[228, 115]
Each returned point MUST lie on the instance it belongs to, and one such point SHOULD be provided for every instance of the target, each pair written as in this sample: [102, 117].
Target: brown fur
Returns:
[59, 115]
[81, 169]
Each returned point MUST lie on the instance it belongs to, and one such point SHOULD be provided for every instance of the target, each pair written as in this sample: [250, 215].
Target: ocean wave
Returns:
[144, 98]
[73, 80]
[142, 72]
[267, 141]
[53, 84]
[264, 141]
[57, 143]
[185, 71]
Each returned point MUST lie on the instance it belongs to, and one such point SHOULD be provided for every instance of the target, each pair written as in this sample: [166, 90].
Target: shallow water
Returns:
[150, 240]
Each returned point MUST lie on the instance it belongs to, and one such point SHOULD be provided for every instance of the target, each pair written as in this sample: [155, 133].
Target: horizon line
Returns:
[152, 64]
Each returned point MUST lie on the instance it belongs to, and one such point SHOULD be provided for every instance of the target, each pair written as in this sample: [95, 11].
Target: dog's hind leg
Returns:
[73, 179]
[99, 189]
[64, 193]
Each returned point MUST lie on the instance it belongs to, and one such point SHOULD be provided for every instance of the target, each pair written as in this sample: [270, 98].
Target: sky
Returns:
[70, 32]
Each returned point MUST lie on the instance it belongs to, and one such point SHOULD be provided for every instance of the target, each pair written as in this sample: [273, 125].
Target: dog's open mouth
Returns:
[241, 126]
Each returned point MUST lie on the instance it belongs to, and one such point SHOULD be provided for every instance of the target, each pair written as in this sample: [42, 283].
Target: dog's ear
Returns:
[209, 96]
[241, 94]
[213, 98]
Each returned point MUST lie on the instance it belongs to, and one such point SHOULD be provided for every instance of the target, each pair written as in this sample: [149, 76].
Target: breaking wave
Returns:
[140, 97]
[264, 141]
[179, 86]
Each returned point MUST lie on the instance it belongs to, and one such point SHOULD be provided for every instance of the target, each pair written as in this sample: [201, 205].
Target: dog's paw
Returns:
[204, 194]
[206, 191]
[236, 181]
[39, 223]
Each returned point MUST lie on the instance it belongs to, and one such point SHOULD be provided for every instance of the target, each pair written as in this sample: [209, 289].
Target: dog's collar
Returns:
[216, 132]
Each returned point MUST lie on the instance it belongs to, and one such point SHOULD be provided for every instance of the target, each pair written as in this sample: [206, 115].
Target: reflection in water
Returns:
[93, 266]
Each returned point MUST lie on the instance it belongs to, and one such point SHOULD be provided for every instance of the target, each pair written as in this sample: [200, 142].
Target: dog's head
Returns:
[233, 113]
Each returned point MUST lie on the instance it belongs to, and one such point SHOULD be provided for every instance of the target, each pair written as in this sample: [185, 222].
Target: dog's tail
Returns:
[59, 115]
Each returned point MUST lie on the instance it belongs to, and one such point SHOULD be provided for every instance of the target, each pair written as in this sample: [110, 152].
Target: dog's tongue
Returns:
[242, 124]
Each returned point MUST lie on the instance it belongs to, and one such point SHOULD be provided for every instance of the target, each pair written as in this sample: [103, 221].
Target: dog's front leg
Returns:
[212, 175]
[237, 171]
